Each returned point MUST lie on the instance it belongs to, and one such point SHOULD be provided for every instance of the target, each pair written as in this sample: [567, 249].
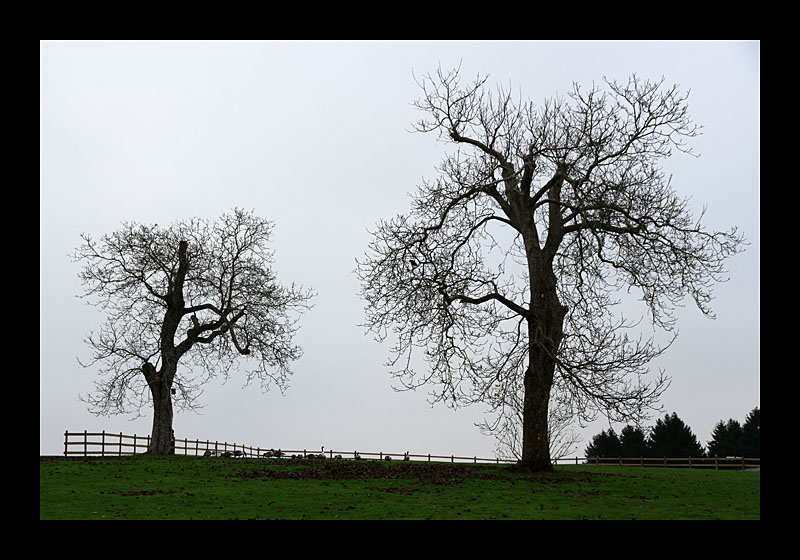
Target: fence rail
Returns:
[109, 444]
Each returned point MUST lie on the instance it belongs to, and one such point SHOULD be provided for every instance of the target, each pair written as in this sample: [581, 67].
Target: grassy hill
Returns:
[181, 487]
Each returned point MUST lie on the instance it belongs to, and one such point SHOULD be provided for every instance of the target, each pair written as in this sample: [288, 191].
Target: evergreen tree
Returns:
[671, 437]
[751, 434]
[633, 442]
[726, 440]
[604, 444]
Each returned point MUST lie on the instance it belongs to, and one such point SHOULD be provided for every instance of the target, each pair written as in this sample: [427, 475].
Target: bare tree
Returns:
[505, 271]
[197, 292]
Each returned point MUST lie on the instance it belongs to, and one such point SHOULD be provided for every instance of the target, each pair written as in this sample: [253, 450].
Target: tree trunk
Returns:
[161, 438]
[535, 442]
[161, 442]
[545, 325]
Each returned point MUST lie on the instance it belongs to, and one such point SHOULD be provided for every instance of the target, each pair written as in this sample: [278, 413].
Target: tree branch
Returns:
[518, 309]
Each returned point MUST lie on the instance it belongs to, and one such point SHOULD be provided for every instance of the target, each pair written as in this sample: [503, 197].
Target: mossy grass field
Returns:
[187, 487]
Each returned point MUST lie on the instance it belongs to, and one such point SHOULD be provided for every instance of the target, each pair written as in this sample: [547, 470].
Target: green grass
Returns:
[179, 487]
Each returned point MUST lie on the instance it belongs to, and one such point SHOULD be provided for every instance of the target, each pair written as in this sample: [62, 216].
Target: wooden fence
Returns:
[108, 444]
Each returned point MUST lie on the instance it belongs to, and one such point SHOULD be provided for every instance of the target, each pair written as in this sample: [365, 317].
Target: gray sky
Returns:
[315, 136]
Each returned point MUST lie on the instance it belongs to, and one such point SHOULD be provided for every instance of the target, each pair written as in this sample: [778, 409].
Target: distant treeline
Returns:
[671, 437]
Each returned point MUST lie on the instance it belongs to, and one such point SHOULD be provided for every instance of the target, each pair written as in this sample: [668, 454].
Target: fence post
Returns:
[120, 444]
[85, 446]
[134, 444]
[103, 444]
[742, 461]
[690, 462]
[66, 438]
[716, 463]
[429, 457]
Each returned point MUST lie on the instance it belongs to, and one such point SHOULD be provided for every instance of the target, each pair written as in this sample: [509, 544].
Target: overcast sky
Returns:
[315, 136]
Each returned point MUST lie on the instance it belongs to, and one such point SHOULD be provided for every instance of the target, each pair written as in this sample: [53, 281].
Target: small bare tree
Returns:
[506, 269]
[197, 293]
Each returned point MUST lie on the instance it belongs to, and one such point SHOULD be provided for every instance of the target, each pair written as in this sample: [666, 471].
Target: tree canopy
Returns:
[751, 434]
[726, 439]
[633, 442]
[605, 444]
[731, 439]
[671, 437]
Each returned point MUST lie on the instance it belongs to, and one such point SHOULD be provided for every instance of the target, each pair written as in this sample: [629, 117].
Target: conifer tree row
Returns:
[671, 437]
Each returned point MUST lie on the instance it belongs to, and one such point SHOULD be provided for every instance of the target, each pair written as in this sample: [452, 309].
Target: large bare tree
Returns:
[506, 271]
[198, 293]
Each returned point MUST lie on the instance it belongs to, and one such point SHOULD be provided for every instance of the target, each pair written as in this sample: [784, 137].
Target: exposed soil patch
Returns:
[437, 473]
[141, 492]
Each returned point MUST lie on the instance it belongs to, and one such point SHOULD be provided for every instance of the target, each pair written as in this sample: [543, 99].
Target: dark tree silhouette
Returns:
[505, 270]
[604, 444]
[671, 437]
[726, 440]
[751, 434]
[196, 293]
[731, 439]
[633, 442]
